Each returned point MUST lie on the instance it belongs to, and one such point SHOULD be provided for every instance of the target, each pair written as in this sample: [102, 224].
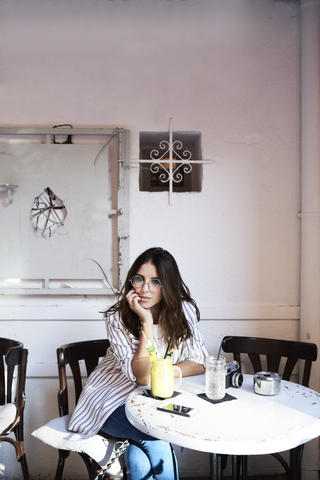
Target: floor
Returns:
[264, 477]
[256, 477]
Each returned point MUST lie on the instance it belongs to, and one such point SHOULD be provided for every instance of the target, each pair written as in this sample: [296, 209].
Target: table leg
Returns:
[244, 461]
[215, 467]
[235, 467]
[295, 463]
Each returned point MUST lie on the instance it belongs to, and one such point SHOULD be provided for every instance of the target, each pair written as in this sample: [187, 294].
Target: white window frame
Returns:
[118, 215]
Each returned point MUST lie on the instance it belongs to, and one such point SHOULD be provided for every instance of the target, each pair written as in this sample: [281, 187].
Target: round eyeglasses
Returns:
[154, 284]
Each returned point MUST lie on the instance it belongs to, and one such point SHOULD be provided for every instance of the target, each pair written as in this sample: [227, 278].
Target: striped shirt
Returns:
[111, 382]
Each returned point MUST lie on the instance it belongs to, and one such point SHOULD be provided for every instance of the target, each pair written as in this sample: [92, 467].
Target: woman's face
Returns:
[148, 299]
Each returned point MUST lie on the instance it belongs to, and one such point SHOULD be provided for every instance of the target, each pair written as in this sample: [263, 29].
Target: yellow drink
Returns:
[162, 383]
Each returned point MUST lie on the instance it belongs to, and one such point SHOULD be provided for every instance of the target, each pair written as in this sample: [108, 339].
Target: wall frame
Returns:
[86, 168]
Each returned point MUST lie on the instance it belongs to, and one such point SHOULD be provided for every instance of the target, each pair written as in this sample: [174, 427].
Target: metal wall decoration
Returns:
[10, 188]
[171, 161]
[174, 151]
[48, 213]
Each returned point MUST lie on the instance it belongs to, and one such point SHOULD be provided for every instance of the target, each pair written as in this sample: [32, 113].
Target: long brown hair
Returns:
[174, 292]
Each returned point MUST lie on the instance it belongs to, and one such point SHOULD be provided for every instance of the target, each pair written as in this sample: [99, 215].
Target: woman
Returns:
[154, 301]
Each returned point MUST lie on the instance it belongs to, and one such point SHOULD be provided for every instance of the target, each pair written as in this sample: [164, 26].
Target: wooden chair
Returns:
[13, 366]
[273, 351]
[56, 434]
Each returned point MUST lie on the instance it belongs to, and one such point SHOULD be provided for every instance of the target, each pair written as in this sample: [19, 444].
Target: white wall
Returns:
[228, 69]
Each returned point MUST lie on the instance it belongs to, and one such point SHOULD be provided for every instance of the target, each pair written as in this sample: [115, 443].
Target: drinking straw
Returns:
[170, 340]
[221, 347]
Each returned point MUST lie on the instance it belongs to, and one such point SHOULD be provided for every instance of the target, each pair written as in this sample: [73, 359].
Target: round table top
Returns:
[251, 424]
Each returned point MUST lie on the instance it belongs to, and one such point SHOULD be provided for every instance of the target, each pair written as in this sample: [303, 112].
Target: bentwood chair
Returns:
[271, 352]
[13, 366]
[99, 453]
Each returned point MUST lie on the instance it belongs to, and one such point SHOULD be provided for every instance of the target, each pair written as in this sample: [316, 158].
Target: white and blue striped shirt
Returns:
[112, 380]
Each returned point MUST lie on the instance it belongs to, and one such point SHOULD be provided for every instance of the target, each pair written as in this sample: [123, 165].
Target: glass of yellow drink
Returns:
[162, 377]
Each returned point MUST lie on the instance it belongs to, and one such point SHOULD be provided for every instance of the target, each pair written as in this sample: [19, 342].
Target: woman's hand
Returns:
[140, 363]
[145, 314]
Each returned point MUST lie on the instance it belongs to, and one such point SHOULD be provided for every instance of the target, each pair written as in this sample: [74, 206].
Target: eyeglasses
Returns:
[154, 284]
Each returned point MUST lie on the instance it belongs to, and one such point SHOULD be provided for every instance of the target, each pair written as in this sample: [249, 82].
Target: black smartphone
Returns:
[179, 410]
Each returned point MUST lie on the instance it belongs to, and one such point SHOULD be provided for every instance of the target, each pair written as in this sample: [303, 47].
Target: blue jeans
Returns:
[146, 457]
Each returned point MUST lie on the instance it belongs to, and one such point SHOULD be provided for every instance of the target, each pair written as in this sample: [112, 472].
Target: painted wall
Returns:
[228, 69]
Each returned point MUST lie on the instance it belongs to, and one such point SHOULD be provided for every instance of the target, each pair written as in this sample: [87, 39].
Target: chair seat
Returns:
[7, 415]
[102, 450]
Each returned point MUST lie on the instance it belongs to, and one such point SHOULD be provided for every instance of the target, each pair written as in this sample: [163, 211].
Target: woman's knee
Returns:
[137, 463]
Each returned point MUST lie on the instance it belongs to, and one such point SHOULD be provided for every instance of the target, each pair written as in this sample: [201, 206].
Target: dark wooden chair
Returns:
[99, 452]
[272, 351]
[72, 354]
[13, 366]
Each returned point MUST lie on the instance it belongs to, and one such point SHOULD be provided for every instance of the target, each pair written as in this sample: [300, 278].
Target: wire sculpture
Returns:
[48, 213]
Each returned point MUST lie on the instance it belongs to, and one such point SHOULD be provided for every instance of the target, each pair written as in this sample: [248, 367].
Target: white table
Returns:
[250, 425]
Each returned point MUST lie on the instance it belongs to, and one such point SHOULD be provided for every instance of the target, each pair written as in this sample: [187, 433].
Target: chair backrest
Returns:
[274, 350]
[73, 354]
[10, 358]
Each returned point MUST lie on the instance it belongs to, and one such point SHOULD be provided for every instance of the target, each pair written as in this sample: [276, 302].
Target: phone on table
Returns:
[179, 410]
